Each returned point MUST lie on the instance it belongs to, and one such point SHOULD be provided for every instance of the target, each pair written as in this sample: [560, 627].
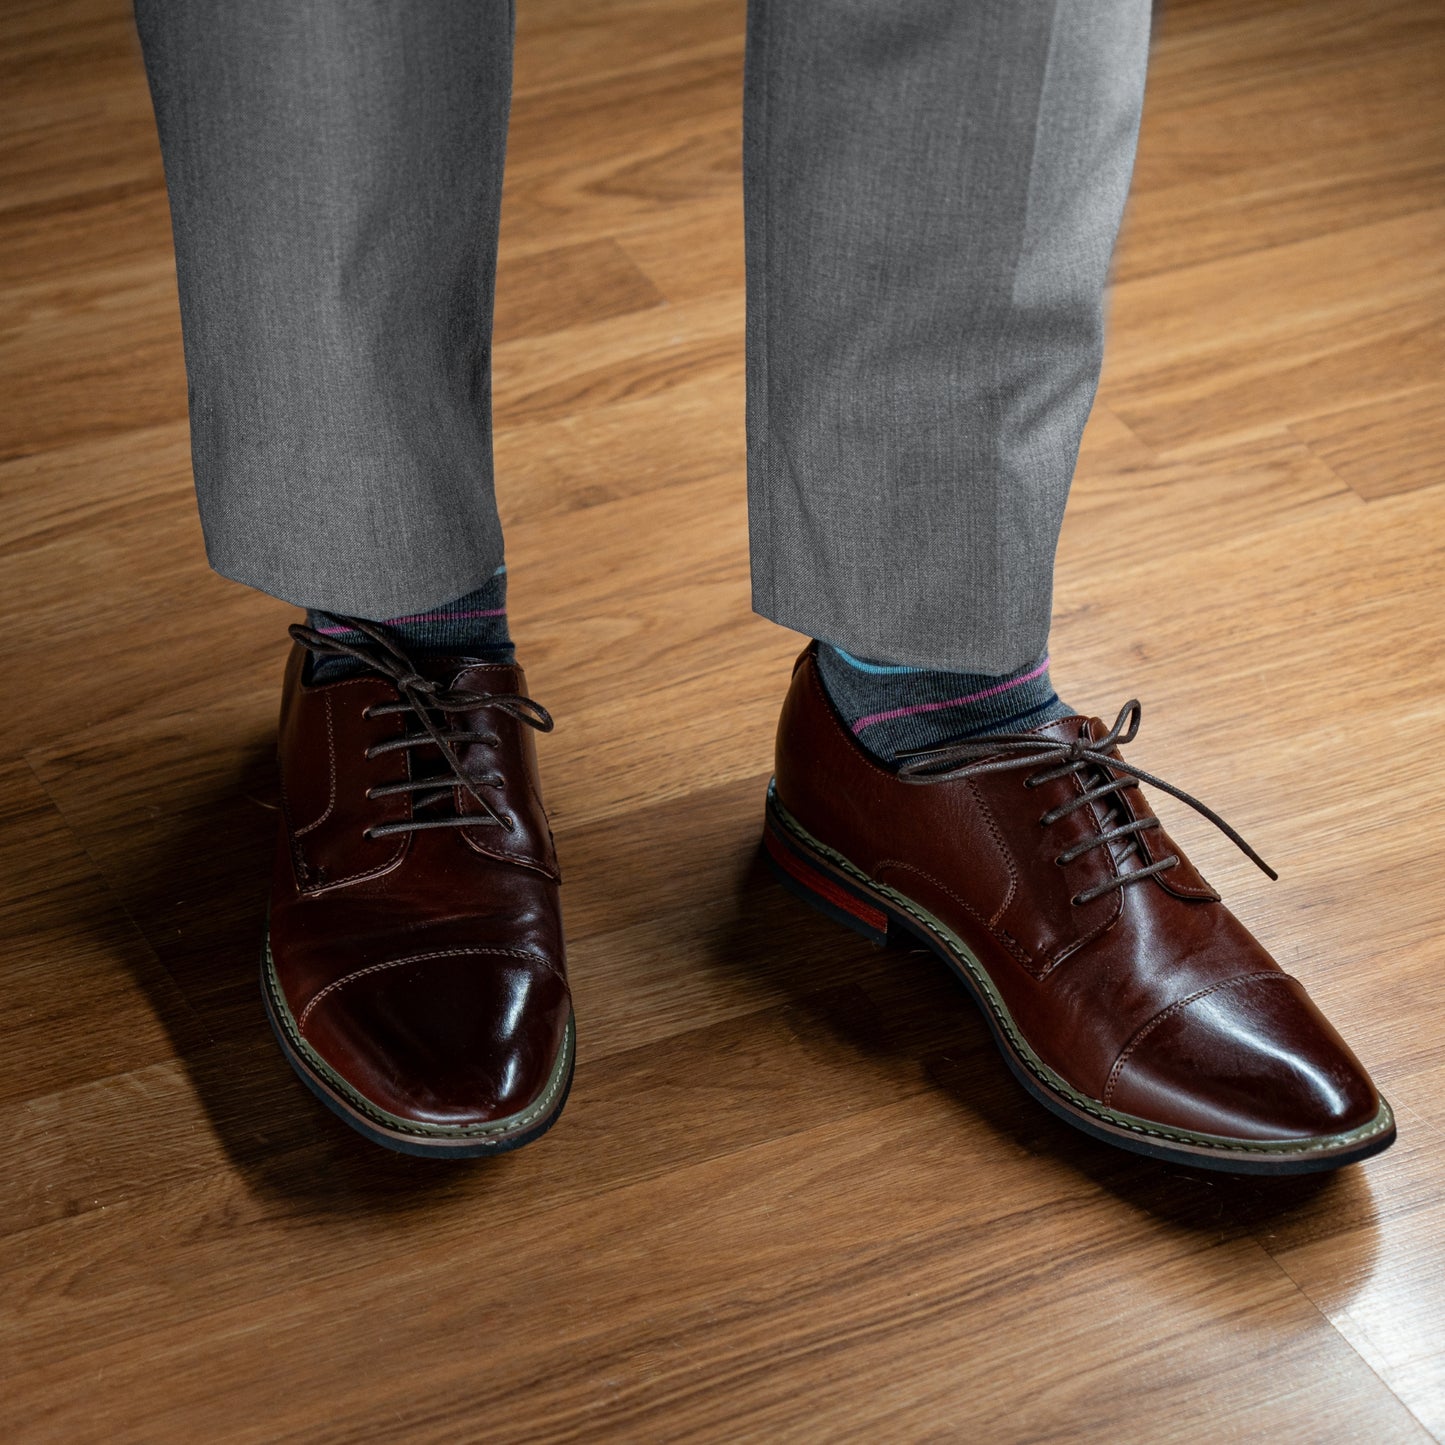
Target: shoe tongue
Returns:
[1070, 729]
[458, 675]
[466, 675]
[1183, 879]
[1122, 807]
[1066, 729]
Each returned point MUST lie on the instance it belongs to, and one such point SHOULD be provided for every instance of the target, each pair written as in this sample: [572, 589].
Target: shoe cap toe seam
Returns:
[1178, 1006]
[336, 984]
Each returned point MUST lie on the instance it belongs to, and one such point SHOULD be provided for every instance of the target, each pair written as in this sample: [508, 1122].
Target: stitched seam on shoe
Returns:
[362, 1105]
[1005, 852]
[1145, 1029]
[1024, 1052]
[1039, 967]
[331, 776]
[864, 756]
[1009, 942]
[1067, 950]
[332, 689]
[990, 822]
[303, 869]
[421, 958]
[384, 867]
[522, 860]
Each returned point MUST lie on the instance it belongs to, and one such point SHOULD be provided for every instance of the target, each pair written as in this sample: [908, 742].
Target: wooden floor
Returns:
[795, 1195]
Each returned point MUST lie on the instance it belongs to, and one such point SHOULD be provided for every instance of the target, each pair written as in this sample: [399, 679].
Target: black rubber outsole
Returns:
[828, 883]
[420, 1144]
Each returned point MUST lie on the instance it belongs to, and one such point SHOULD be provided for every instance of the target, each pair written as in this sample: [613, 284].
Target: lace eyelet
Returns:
[509, 822]
[1061, 861]
[366, 712]
[368, 835]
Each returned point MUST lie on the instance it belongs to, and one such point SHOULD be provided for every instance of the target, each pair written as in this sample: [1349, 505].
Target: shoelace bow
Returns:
[972, 757]
[422, 697]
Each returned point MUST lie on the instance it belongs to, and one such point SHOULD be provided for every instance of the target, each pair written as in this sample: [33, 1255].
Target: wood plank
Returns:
[1253, 343]
[81, 996]
[795, 1195]
[1385, 447]
[115, 517]
[845, 1274]
[182, 1137]
[684, 433]
[1363, 1269]
[1231, 158]
[641, 354]
[545, 291]
[559, 45]
[112, 339]
[1229, 491]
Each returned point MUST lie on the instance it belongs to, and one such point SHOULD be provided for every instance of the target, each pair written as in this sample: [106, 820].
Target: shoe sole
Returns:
[832, 885]
[436, 1141]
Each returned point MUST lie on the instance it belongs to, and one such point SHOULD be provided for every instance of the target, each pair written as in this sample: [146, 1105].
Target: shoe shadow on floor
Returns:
[910, 1017]
[895, 1013]
[195, 885]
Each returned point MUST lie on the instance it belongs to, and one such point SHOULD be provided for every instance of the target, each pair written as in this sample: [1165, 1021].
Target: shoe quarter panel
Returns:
[324, 738]
[886, 828]
[1042, 920]
[951, 858]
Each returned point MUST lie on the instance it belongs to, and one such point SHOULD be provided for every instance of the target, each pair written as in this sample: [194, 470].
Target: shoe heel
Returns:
[826, 892]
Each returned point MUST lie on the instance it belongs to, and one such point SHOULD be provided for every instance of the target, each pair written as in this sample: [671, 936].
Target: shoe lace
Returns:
[430, 704]
[1057, 758]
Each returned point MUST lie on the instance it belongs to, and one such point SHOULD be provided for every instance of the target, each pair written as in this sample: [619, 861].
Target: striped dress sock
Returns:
[474, 626]
[892, 709]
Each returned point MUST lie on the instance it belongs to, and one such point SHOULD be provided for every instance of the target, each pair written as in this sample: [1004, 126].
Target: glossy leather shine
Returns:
[1152, 999]
[425, 968]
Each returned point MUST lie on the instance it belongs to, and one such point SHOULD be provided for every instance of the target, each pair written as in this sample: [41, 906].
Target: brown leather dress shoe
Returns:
[414, 970]
[1123, 994]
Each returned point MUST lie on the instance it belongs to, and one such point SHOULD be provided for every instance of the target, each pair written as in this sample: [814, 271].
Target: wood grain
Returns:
[1383, 447]
[795, 1195]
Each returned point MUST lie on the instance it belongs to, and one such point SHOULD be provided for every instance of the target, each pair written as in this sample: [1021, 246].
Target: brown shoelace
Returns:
[426, 701]
[970, 757]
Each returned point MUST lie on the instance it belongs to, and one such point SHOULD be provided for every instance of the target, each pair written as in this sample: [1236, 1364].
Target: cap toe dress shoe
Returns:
[1121, 991]
[414, 970]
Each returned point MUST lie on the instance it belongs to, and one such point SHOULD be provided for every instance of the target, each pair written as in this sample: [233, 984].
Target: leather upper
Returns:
[426, 968]
[1151, 998]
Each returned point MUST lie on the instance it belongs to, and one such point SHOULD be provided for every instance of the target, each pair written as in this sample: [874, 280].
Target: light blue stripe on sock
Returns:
[878, 669]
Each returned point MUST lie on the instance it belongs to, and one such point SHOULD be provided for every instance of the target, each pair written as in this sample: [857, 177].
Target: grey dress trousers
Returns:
[932, 191]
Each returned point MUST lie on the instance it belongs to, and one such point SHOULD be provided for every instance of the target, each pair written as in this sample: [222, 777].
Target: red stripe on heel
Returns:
[824, 892]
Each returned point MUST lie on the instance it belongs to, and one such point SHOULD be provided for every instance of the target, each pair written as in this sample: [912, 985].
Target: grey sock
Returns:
[474, 626]
[892, 709]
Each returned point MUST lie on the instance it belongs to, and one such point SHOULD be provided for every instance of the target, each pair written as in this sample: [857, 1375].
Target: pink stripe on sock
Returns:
[442, 615]
[421, 617]
[994, 691]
